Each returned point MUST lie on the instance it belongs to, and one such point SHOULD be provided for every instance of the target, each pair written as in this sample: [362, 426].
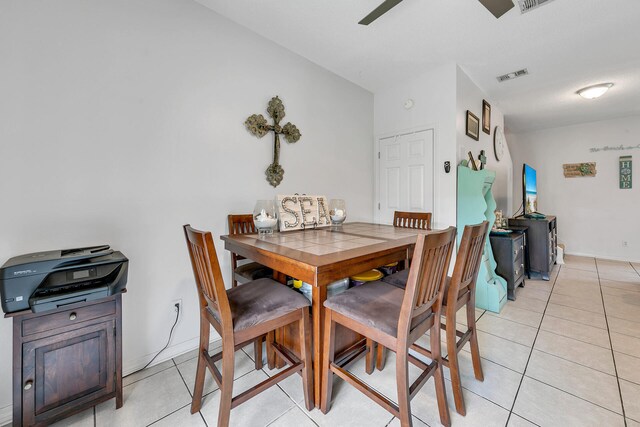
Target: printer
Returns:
[48, 280]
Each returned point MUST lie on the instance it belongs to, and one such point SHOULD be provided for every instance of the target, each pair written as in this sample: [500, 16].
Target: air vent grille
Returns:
[512, 75]
[528, 5]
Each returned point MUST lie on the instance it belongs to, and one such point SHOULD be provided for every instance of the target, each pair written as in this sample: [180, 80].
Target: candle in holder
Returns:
[265, 216]
[337, 211]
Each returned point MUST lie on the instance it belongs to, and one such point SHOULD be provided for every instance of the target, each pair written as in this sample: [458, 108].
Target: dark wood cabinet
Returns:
[542, 244]
[66, 360]
[509, 252]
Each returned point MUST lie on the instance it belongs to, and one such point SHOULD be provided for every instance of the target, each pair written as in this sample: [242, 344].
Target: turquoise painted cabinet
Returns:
[476, 204]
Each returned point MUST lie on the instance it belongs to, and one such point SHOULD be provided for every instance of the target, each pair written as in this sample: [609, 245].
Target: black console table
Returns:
[509, 252]
[542, 243]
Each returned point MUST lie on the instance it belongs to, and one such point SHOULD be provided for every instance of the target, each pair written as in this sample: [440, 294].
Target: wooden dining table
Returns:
[322, 256]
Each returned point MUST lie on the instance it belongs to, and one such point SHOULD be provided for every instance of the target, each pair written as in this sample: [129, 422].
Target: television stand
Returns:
[542, 243]
[535, 215]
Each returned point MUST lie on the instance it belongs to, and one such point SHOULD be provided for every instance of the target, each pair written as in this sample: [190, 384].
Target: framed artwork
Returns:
[473, 126]
[486, 117]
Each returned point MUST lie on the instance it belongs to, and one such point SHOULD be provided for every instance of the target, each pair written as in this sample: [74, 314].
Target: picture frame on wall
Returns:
[473, 126]
[486, 117]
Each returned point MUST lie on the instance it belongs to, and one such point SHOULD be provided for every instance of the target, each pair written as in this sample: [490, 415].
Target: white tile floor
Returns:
[565, 353]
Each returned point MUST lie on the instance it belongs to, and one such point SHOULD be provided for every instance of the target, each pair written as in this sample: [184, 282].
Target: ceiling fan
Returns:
[496, 7]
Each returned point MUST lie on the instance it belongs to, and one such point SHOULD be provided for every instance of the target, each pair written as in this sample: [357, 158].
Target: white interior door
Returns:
[405, 174]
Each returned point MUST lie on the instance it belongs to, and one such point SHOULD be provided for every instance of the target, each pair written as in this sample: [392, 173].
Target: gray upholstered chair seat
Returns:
[374, 304]
[260, 301]
[398, 279]
[253, 271]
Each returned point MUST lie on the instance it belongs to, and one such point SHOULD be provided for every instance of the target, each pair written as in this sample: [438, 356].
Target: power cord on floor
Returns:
[168, 341]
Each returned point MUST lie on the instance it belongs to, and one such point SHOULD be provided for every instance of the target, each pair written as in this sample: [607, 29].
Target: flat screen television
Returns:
[529, 190]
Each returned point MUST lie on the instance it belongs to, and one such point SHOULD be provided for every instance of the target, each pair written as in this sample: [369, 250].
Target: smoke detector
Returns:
[513, 75]
[529, 5]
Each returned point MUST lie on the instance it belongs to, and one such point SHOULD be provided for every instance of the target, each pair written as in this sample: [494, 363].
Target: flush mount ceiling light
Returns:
[595, 91]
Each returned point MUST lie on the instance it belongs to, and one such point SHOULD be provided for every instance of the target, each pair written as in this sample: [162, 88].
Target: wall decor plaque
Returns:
[579, 170]
[300, 212]
[625, 172]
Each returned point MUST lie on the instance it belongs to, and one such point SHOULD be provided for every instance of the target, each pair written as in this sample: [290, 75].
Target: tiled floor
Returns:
[566, 353]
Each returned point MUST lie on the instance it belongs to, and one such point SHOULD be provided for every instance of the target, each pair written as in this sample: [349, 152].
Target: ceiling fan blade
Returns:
[379, 11]
[497, 7]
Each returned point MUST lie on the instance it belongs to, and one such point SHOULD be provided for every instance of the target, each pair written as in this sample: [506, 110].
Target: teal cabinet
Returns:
[476, 204]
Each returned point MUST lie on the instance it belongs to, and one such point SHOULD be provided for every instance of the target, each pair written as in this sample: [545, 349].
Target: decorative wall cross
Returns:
[483, 159]
[257, 125]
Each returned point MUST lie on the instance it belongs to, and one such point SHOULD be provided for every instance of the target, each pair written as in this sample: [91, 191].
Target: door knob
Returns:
[73, 316]
[28, 385]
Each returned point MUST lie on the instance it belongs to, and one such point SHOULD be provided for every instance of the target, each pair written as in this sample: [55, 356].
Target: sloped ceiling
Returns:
[565, 45]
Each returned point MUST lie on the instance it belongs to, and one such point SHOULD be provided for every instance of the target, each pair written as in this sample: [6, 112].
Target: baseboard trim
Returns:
[6, 415]
[128, 367]
[605, 257]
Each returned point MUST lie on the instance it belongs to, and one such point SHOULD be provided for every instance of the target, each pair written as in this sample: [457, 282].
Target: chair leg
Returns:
[328, 351]
[454, 366]
[307, 371]
[371, 355]
[438, 376]
[201, 370]
[257, 352]
[271, 353]
[473, 342]
[226, 388]
[402, 379]
[381, 357]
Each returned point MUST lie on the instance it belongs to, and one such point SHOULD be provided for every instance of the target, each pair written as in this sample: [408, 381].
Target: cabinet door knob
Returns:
[28, 385]
[73, 316]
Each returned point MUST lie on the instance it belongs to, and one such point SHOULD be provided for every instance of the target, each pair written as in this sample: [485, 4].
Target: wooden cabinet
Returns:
[509, 252]
[66, 360]
[542, 244]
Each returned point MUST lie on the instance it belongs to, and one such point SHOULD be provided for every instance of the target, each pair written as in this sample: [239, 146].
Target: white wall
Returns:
[469, 97]
[120, 121]
[594, 215]
[434, 99]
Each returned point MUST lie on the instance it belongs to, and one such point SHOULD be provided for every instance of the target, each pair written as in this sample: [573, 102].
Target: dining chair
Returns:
[240, 315]
[416, 220]
[247, 271]
[460, 291]
[395, 318]
[413, 220]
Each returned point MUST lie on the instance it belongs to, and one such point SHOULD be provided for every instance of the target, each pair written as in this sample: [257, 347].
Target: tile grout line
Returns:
[613, 355]
[574, 395]
[165, 416]
[295, 404]
[575, 321]
[515, 399]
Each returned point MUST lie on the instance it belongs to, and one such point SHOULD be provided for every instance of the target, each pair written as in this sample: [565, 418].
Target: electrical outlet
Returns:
[624, 244]
[176, 306]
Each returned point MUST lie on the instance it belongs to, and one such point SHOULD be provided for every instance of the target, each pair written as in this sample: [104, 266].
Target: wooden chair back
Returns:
[425, 285]
[241, 224]
[206, 270]
[465, 271]
[416, 220]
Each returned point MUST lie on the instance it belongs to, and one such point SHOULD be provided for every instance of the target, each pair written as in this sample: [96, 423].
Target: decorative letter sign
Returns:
[578, 170]
[300, 212]
[625, 172]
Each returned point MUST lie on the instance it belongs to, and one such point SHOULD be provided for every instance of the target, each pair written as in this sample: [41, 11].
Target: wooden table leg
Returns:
[318, 296]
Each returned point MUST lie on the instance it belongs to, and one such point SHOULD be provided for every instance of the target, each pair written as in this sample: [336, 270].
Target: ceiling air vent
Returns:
[528, 5]
[512, 75]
